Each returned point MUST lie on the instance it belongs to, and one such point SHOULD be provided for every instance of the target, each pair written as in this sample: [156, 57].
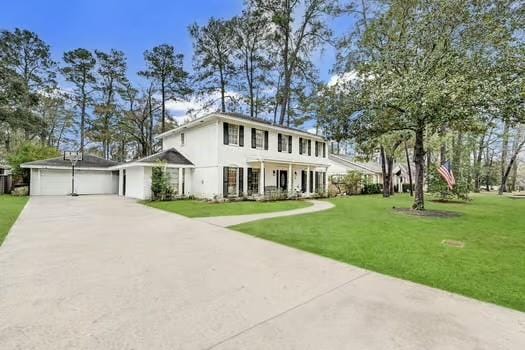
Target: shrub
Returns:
[406, 188]
[372, 189]
[353, 180]
[160, 183]
[439, 188]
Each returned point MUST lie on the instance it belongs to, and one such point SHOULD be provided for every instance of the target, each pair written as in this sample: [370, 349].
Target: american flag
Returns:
[446, 172]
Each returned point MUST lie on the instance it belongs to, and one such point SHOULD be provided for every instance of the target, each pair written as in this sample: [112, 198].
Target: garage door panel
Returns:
[55, 182]
[95, 182]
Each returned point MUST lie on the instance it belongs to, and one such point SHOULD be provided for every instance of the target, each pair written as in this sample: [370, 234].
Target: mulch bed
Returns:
[428, 213]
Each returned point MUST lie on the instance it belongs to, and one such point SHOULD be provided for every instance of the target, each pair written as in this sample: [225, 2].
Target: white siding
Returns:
[135, 182]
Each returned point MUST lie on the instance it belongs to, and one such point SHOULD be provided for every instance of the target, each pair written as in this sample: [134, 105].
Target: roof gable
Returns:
[170, 156]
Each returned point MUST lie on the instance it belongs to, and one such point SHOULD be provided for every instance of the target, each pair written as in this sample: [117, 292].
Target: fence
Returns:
[6, 183]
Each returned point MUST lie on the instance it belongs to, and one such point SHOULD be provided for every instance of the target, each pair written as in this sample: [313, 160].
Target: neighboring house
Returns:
[340, 165]
[93, 175]
[226, 155]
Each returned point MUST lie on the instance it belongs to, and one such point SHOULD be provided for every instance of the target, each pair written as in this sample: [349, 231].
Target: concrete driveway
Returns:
[107, 273]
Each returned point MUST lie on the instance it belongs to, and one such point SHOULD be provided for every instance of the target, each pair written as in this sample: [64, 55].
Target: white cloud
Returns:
[337, 78]
[183, 111]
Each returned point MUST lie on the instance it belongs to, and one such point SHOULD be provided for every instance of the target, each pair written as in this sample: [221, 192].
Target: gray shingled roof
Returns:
[88, 161]
[170, 156]
[370, 166]
[264, 121]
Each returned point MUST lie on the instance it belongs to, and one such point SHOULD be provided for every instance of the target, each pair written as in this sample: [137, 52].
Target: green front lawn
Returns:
[194, 208]
[10, 208]
[366, 231]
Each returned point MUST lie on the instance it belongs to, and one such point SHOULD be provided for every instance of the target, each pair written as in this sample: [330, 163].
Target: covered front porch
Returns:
[269, 176]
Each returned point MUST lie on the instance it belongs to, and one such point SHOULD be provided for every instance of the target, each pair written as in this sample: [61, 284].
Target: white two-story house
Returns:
[220, 155]
[231, 155]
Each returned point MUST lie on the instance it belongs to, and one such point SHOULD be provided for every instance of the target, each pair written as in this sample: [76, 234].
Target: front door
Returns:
[282, 180]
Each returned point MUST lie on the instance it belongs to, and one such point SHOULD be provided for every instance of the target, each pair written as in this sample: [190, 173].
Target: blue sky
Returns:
[131, 26]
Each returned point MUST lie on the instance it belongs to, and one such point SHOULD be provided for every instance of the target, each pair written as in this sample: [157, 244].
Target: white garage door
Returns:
[58, 182]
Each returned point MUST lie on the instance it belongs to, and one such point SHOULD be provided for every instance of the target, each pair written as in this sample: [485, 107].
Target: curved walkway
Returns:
[225, 221]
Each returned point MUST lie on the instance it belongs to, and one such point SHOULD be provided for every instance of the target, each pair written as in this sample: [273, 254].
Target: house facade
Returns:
[341, 164]
[220, 155]
[234, 155]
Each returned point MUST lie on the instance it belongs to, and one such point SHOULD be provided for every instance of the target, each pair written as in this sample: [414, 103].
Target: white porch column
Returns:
[314, 182]
[120, 182]
[261, 179]
[245, 180]
[181, 179]
[326, 181]
[308, 180]
[290, 178]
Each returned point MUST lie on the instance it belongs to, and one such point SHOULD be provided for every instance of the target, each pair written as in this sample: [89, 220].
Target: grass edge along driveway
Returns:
[10, 208]
[365, 231]
[196, 208]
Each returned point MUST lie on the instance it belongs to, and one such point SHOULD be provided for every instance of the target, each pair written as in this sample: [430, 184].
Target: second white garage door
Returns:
[58, 182]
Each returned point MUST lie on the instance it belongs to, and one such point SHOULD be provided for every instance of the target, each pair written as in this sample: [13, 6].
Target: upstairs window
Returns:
[284, 143]
[319, 146]
[305, 146]
[259, 139]
[233, 134]
[182, 139]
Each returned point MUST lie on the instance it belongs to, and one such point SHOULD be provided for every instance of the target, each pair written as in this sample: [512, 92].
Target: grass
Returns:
[10, 208]
[366, 231]
[194, 208]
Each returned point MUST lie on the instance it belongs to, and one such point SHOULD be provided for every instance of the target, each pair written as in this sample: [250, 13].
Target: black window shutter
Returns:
[225, 133]
[266, 140]
[311, 181]
[303, 181]
[309, 147]
[241, 136]
[254, 138]
[250, 181]
[225, 182]
[316, 149]
[300, 145]
[289, 144]
[324, 150]
[241, 181]
[279, 145]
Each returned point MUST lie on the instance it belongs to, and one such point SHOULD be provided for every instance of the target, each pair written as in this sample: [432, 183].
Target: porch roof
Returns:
[285, 161]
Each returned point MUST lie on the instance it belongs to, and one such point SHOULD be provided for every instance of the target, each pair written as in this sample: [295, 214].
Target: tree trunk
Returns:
[477, 164]
[83, 112]
[223, 90]
[150, 112]
[386, 183]
[504, 153]
[390, 166]
[419, 163]
[409, 171]
[509, 167]
[163, 107]
[443, 147]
